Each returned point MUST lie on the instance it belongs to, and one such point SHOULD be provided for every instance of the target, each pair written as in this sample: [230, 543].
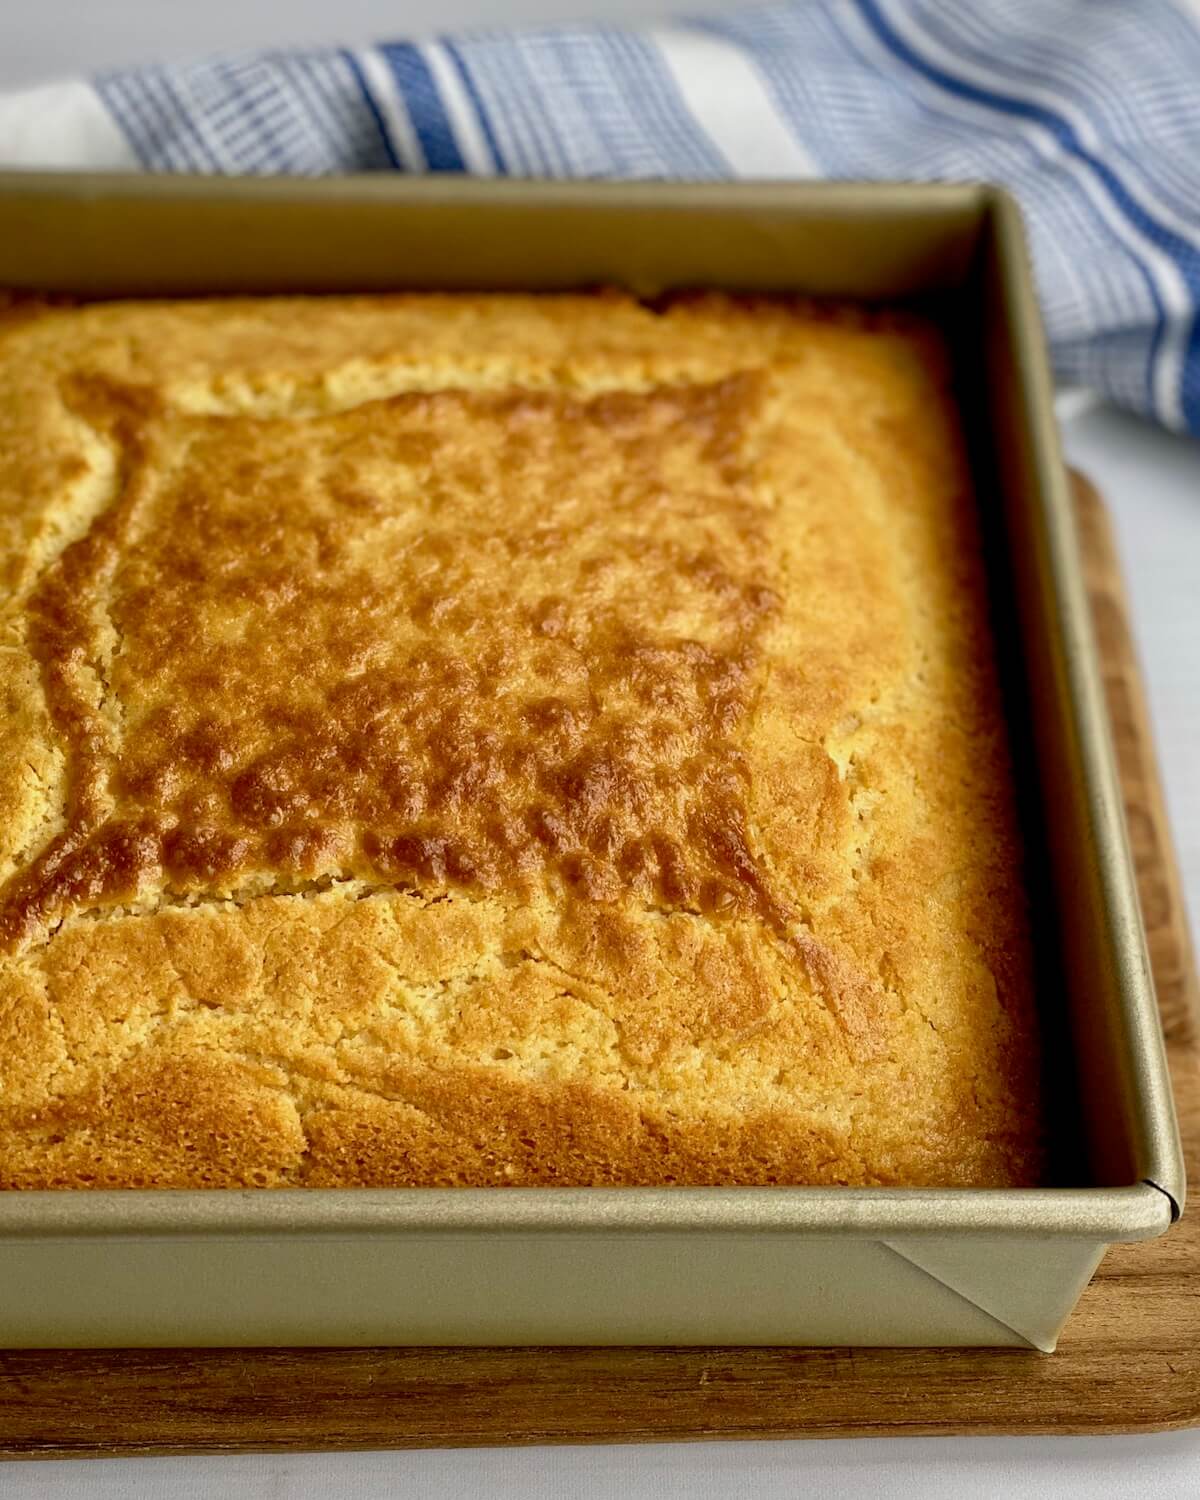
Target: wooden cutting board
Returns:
[1128, 1361]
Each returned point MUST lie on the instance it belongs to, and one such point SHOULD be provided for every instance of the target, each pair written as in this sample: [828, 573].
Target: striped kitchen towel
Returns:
[1088, 109]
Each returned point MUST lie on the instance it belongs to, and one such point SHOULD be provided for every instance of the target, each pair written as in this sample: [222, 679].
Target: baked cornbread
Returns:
[499, 740]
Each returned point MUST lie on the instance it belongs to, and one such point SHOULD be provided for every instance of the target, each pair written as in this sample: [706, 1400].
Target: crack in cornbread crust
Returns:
[500, 740]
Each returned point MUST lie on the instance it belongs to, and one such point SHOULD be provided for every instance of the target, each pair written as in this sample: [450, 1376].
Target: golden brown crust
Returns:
[499, 740]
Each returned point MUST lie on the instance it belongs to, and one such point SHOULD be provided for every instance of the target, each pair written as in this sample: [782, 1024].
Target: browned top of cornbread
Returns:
[499, 740]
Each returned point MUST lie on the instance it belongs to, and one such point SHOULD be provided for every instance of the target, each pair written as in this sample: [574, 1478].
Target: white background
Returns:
[1152, 483]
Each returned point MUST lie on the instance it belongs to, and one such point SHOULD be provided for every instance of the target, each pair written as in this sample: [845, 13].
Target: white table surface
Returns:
[1152, 483]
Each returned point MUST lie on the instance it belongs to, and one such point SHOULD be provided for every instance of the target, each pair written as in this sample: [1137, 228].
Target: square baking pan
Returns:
[816, 1266]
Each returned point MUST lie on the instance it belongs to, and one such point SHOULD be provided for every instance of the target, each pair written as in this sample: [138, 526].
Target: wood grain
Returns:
[1129, 1360]
[1159, 886]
